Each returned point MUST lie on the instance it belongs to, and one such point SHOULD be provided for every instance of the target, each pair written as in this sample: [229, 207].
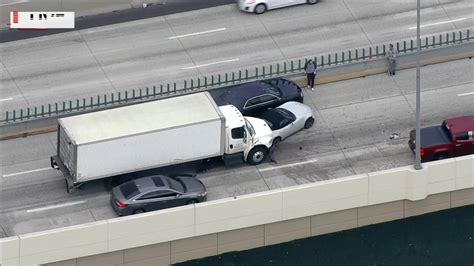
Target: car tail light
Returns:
[422, 152]
[250, 1]
[120, 204]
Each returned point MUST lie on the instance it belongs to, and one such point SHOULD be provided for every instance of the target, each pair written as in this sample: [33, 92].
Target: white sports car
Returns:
[288, 119]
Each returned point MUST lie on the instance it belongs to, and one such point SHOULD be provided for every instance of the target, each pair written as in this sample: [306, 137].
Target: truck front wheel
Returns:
[257, 155]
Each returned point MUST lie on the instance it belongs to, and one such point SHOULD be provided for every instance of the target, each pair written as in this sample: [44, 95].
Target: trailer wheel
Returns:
[257, 155]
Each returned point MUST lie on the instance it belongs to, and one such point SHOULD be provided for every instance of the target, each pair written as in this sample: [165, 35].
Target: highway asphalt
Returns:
[171, 48]
[361, 126]
[85, 22]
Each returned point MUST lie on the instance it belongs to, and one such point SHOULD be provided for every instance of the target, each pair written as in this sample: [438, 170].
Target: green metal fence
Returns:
[219, 80]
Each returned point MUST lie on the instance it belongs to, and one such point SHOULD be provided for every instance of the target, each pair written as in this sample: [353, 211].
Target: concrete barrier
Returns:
[239, 212]
[64, 243]
[323, 197]
[150, 228]
[258, 219]
[325, 75]
[10, 251]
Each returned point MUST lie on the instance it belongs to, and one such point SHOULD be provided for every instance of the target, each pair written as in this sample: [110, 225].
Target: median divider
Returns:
[348, 202]
[380, 65]
[331, 67]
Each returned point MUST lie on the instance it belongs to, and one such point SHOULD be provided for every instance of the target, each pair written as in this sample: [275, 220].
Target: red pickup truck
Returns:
[455, 137]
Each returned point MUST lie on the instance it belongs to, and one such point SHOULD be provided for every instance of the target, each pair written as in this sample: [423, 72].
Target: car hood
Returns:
[262, 129]
[193, 185]
[298, 109]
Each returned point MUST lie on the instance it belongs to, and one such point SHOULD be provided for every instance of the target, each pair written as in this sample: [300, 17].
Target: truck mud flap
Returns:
[57, 164]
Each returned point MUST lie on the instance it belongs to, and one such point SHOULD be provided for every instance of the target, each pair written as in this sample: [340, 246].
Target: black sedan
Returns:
[253, 98]
[155, 193]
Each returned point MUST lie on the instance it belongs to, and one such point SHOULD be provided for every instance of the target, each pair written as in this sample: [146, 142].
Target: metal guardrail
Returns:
[219, 80]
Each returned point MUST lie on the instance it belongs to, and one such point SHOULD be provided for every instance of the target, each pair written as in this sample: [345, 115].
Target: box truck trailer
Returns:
[155, 134]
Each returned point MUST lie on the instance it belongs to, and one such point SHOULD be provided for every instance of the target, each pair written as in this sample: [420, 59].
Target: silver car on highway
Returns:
[260, 6]
[155, 193]
[288, 119]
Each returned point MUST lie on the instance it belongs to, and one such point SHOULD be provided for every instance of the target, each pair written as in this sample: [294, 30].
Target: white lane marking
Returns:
[196, 33]
[6, 99]
[62, 205]
[287, 165]
[16, 2]
[27, 172]
[438, 23]
[466, 94]
[210, 64]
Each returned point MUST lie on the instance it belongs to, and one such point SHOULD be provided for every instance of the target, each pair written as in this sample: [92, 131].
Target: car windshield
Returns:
[129, 189]
[273, 118]
[176, 185]
[287, 114]
[272, 87]
[278, 118]
[250, 127]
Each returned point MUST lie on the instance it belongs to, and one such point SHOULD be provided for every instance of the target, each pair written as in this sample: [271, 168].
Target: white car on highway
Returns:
[260, 6]
[288, 119]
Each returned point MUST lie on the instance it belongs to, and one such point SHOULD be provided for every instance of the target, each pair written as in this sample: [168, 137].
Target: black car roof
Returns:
[240, 93]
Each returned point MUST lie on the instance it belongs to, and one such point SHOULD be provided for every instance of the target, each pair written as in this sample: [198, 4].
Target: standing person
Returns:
[310, 69]
[392, 59]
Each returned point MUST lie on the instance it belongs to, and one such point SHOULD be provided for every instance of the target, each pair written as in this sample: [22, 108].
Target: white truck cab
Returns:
[248, 135]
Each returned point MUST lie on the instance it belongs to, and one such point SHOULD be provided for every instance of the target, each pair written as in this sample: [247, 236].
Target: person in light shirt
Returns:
[392, 55]
[310, 69]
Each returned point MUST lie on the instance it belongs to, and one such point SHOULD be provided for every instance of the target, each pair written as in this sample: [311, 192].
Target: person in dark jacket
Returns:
[310, 69]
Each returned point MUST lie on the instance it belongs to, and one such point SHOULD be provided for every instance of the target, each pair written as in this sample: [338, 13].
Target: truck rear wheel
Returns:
[257, 155]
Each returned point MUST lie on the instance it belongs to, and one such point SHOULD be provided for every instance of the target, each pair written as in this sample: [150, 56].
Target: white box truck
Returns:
[155, 134]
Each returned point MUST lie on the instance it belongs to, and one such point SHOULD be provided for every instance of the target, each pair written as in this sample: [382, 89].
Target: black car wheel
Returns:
[257, 155]
[137, 211]
[441, 156]
[192, 201]
[276, 141]
[309, 123]
[312, 2]
[260, 9]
